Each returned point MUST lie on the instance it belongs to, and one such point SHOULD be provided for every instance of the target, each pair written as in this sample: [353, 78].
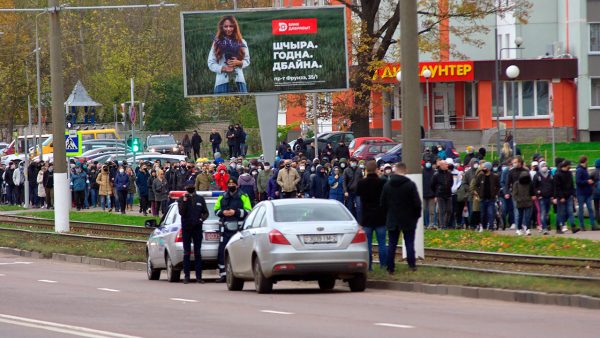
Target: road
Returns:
[44, 298]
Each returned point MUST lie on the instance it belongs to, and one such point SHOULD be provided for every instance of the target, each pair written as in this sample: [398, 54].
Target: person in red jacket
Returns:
[221, 177]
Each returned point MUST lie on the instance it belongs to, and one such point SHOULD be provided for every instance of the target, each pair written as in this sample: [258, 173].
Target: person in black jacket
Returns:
[319, 184]
[215, 141]
[441, 185]
[194, 212]
[48, 182]
[428, 196]
[342, 151]
[543, 187]
[196, 142]
[401, 203]
[564, 190]
[372, 216]
[231, 141]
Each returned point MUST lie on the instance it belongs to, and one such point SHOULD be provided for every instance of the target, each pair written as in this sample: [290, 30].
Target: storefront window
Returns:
[528, 97]
[531, 98]
[542, 97]
[595, 37]
[596, 92]
[471, 99]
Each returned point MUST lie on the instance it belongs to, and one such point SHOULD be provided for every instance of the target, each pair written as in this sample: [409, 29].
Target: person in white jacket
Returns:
[40, 182]
[19, 180]
[228, 55]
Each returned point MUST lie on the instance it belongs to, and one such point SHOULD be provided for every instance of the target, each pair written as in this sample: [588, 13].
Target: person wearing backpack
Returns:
[585, 188]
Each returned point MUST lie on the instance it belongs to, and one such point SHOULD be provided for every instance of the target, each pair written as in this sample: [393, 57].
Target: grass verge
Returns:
[49, 244]
[94, 217]
[431, 275]
[495, 242]
[11, 207]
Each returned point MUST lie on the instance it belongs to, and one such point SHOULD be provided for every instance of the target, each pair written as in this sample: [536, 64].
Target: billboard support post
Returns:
[267, 107]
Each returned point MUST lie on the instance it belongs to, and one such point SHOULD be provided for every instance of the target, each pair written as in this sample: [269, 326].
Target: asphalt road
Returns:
[43, 298]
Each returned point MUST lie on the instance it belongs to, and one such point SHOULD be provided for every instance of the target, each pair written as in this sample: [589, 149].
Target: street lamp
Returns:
[427, 75]
[498, 58]
[512, 72]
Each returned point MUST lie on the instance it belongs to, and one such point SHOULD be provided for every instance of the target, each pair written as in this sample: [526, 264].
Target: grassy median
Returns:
[432, 275]
[95, 217]
[7, 207]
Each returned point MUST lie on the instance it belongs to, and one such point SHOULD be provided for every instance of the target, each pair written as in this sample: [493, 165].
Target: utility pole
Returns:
[62, 191]
[38, 79]
[132, 117]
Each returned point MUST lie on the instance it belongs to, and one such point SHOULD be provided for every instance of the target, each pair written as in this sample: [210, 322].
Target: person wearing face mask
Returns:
[262, 181]
[468, 177]
[233, 170]
[508, 214]
[351, 176]
[10, 184]
[302, 186]
[585, 188]
[232, 208]
[319, 187]
[231, 141]
[486, 189]
[543, 187]
[161, 192]
[441, 184]
[151, 196]
[49, 186]
[221, 177]
[336, 182]
[288, 179]
[247, 185]
[203, 179]
[122, 185]
[78, 183]
[141, 180]
[387, 171]
[429, 220]
[193, 211]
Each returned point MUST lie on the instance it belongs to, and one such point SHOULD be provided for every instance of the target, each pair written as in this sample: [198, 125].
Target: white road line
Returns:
[47, 281]
[277, 312]
[2, 275]
[184, 300]
[61, 328]
[399, 326]
[109, 290]
[16, 263]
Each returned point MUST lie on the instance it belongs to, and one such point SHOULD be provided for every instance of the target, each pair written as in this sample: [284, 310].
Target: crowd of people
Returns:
[236, 142]
[483, 195]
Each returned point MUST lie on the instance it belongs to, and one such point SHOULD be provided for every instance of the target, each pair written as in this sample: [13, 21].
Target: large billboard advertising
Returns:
[264, 51]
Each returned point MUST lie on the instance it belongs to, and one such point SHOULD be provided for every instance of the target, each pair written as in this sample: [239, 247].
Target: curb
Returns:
[531, 297]
[107, 263]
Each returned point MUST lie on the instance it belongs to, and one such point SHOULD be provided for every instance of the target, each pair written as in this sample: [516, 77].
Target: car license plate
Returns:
[320, 239]
[212, 236]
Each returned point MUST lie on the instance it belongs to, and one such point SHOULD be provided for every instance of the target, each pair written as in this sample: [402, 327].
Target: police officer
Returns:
[193, 211]
[232, 207]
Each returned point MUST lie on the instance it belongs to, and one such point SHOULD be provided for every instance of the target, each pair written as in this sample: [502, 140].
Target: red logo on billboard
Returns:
[294, 26]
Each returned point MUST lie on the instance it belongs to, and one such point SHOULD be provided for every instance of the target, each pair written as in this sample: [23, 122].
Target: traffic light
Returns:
[135, 145]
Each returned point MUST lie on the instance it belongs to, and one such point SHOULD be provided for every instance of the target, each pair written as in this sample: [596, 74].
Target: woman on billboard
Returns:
[228, 56]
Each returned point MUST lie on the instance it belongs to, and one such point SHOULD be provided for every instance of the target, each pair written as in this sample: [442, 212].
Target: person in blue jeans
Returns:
[401, 206]
[564, 190]
[487, 186]
[373, 218]
[585, 190]
[543, 187]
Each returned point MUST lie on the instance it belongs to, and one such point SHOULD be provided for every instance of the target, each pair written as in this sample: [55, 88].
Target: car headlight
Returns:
[175, 148]
[152, 150]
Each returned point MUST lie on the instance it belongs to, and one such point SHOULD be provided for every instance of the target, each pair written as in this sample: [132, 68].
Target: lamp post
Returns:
[512, 72]
[498, 58]
[427, 75]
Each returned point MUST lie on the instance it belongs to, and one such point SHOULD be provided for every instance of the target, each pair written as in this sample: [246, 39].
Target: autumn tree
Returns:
[376, 28]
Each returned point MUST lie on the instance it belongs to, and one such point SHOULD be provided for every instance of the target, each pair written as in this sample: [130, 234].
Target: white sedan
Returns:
[298, 239]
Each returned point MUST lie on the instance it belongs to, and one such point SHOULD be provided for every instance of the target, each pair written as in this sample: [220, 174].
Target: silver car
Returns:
[298, 239]
[164, 248]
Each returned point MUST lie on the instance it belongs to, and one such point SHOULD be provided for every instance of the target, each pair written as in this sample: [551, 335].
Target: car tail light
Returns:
[179, 237]
[360, 237]
[455, 152]
[276, 237]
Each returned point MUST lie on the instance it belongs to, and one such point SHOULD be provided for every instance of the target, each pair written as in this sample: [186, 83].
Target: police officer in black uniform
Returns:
[232, 207]
[193, 211]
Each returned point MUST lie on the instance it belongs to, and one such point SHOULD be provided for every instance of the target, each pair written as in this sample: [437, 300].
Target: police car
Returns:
[164, 248]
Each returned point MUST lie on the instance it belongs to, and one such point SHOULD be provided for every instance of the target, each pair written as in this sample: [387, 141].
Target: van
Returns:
[97, 134]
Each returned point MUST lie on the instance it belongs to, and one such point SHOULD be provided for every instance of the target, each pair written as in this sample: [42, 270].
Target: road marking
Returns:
[277, 312]
[61, 328]
[16, 263]
[2, 275]
[399, 326]
[47, 281]
[184, 300]
[109, 290]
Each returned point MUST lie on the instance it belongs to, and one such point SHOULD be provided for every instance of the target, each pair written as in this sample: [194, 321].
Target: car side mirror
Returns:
[150, 224]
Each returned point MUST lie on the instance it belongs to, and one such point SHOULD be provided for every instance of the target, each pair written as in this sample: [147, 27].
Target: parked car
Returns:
[151, 157]
[3, 145]
[332, 137]
[395, 154]
[357, 142]
[298, 239]
[368, 151]
[164, 248]
[164, 144]
[99, 144]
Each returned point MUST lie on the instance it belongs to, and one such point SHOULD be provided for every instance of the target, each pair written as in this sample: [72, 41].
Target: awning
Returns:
[80, 98]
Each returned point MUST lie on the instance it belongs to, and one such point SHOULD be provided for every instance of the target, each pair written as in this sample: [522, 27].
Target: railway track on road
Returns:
[78, 227]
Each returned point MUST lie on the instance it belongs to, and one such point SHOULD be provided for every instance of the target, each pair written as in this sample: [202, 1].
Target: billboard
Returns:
[264, 51]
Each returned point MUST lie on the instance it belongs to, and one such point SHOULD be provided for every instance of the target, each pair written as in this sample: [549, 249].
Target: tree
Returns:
[167, 108]
[374, 33]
